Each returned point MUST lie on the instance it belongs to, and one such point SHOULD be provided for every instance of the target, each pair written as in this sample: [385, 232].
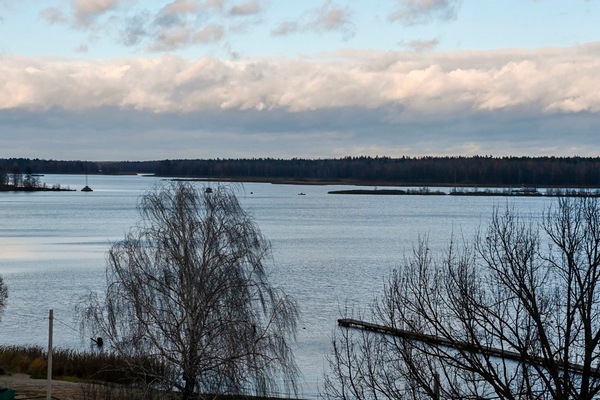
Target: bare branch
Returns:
[187, 289]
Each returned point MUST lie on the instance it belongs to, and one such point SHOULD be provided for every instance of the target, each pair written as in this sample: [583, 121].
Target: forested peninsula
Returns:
[421, 171]
[16, 179]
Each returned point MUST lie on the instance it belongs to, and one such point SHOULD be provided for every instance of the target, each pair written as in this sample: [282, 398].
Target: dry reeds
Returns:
[74, 365]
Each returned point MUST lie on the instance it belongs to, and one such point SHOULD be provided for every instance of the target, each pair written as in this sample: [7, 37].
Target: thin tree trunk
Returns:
[189, 388]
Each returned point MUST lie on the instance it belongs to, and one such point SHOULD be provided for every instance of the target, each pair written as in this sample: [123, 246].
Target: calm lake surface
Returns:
[328, 250]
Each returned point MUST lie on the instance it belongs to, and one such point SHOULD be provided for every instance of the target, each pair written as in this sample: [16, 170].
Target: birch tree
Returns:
[187, 290]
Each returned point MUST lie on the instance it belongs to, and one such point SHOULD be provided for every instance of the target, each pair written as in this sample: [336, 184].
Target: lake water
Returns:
[328, 250]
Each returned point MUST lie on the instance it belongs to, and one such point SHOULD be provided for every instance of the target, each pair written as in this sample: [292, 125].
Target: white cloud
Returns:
[135, 29]
[247, 8]
[421, 45]
[330, 17]
[180, 7]
[326, 18]
[286, 28]
[184, 23]
[178, 24]
[86, 11]
[210, 33]
[172, 38]
[419, 11]
[216, 4]
[54, 15]
[433, 83]
[184, 34]
[81, 14]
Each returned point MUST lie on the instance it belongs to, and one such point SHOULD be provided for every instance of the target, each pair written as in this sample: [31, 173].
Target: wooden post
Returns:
[49, 388]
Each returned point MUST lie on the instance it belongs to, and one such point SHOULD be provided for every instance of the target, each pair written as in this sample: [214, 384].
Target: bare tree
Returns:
[3, 296]
[30, 180]
[16, 176]
[514, 315]
[187, 290]
[3, 177]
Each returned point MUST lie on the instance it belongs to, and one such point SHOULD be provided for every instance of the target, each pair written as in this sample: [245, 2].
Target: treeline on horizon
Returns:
[477, 170]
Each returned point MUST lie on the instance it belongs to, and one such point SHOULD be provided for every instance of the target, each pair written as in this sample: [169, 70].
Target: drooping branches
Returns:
[187, 289]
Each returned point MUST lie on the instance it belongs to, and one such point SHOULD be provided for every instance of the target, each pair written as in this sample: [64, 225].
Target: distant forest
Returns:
[459, 171]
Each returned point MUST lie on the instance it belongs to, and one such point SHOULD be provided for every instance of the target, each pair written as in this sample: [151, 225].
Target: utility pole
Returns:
[49, 388]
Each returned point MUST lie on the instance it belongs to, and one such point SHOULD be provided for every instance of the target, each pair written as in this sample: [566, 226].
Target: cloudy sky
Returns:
[150, 79]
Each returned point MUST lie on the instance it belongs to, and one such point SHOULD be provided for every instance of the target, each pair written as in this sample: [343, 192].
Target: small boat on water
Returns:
[86, 188]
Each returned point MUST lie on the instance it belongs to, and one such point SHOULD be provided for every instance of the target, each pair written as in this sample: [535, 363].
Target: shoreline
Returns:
[12, 189]
[351, 182]
[513, 193]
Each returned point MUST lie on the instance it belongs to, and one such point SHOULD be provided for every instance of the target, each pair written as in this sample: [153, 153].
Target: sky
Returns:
[143, 80]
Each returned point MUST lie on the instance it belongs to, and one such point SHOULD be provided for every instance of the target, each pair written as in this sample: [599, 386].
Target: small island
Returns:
[16, 181]
[422, 191]
[41, 188]
[521, 192]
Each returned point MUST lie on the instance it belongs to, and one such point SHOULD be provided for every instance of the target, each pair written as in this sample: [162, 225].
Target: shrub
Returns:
[38, 368]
